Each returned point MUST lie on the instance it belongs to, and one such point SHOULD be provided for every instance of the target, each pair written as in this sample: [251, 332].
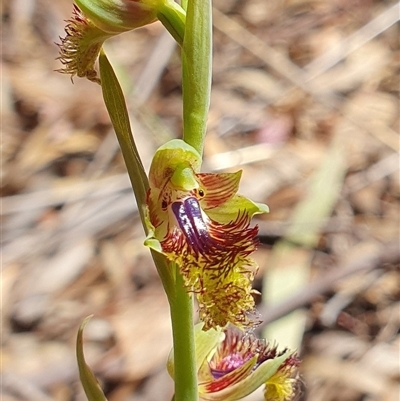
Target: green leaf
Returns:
[89, 382]
[116, 106]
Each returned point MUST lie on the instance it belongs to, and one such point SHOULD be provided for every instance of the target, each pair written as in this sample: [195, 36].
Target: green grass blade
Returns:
[89, 382]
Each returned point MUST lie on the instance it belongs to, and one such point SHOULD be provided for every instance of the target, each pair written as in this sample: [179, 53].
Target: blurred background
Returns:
[304, 101]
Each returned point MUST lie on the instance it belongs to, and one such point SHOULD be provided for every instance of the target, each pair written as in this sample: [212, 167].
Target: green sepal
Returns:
[89, 382]
[228, 211]
[173, 17]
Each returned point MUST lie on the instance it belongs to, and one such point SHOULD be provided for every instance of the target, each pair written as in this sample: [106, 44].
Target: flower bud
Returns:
[94, 21]
[80, 47]
[117, 16]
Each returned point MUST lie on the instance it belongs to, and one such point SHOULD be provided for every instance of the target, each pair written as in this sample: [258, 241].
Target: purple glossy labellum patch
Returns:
[191, 221]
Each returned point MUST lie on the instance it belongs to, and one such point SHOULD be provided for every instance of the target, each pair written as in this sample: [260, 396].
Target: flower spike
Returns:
[199, 222]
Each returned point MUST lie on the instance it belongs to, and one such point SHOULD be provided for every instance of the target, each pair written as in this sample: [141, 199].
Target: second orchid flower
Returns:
[232, 364]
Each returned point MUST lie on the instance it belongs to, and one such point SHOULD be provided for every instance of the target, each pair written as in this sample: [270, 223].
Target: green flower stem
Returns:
[196, 72]
[196, 90]
[116, 106]
[173, 17]
[185, 371]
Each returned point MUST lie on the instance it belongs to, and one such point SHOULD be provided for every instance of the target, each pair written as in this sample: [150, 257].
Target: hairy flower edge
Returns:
[80, 47]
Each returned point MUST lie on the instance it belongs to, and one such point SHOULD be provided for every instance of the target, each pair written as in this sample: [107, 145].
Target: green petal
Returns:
[246, 386]
[89, 382]
[229, 211]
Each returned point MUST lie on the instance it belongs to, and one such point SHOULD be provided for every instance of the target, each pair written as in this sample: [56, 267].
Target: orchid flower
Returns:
[200, 222]
[94, 21]
[232, 364]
